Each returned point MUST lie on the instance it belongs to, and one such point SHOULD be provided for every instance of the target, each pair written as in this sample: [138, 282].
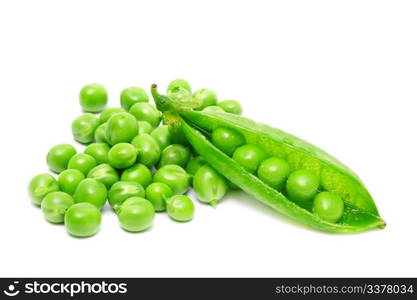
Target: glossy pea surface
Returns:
[122, 155]
[194, 164]
[104, 173]
[175, 154]
[180, 208]
[249, 156]
[144, 127]
[162, 135]
[175, 177]
[93, 97]
[146, 112]
[82, 220]
[157, 193]
[274, 171]
[136, 214]
[41, 185]
[82, 162]
[59, 156]
[84, 127]
[209, 185]
[231, 106]
[178, 84]
[108, 113]
[69, 179]
[148, 149]
[328, 206]
[302, 185]
[91, 191]
[132, 95]
[138, 173]
[121, 128]
[227, 139]
[100, 134]
[54, 206]
[206, 97]
[99, 151]
[122, 190]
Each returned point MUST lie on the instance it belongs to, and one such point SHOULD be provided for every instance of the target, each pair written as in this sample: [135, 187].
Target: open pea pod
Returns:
[360, 213]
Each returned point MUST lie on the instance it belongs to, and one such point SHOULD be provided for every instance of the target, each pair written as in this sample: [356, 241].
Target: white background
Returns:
[340, 74]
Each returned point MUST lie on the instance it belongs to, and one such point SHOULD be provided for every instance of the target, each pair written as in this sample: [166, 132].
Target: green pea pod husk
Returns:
[360, 214]
[209, 185]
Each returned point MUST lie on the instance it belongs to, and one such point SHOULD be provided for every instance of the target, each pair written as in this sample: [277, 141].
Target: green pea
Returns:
[122, 190]
[54, 206]
[105, 174]
[144, 127]
[274, 171]
[136, 214]
[195, 164]
[69, 179]
[162, 135]
[108, 113]
[231, 106]
[82, 162]
[227, 140]
[40, 186]
[180, 208]
[82, 220]
[99, 151]
[209, 185]
[84, 127]
[213, 109]
[175, 155]
[91, 191]
[146, 112]
[93, 97]
[328, 206]
[181, 95]
[206, 97]
[121, 128]
[138, 173]
[148, 149]
[100, 134]
[157, 193]
[249, 156]
[175, 177]
[178, 84]
[122, 155]
[59, 156]
[302, 185]
[132, 95]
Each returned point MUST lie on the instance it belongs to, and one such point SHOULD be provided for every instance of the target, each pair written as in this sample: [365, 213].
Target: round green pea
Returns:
[108, 113]
[82, 220]
[54, 206]
[231, 106]
[91, 191]
[138, 173]
[40, 186]
[136, 214]
[121, 128]
[194, 164]
[59, 156]
[302, 185]
[122, 190]
[144, 127]
[162, 135]
[206, 97]
[213, 109]
[84, 127]
[274, 171]
[100, 134]
[69, 179]
[180, 208]
[82, 162]
[249, 156]
[122, 155]
[180, 95]
[209, 185]
[227, 139]
[99, 151]
[146, 112]
[148, 149]
[178, 84]
[132, 95]
[157, 193]
[175, 177]
[175, 154]
[328, 206]
[93, 97]
[104, 173]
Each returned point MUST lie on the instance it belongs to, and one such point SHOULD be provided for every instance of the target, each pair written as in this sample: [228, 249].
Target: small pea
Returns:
[122, 155]
[227, 139]
[148, 149]
[162, 135]
[206, 97]
[108, 113]
[82, 220]
[180, 208]
[99, 151]
[157, 193]
[146, 112]
[249, 156]
[274, 171]
[132, 95]
[104, 173]
[59, 156]
[328, 206]
[91, 191]
[100, 134]
[213, 109]
[175, 154]
[135, 214]
[178, 84]
[54, 206]
[194, 164]
[209, 185]
[138, 173]
[93, 97]
[175, 177]
[144, 127]
[84, 127]
[302, 185]
[82, 162]
[69, 179]
[122, 190]
[121, 128]
[231, 106]
[40, 186]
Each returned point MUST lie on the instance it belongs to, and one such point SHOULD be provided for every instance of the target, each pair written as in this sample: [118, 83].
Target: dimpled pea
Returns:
[175, 177]
[121, 128]
[195, 164]
[177, 84]
[84, 127]
[82, 220]
[148, 149]
[93, 97]
[328, 206]
[40, 186]
[274, 171]
[227, 140]
[206, 97]
[69, 179]
[209, 185]
[213, 109]
[146, 112]
[100, 134]
[108, 113]
[99, 151]
[82, 162]
[144, 127]
[175, 155]
[91, 191]
[180, 208]
[302, 185]
[122, 155]
[122, 190]
[54, 206]
[231, 106]
[59, 156]
[105, 174]
[138, 173]
[249, 156]
[136, 214]
[157, 193]
[132, 95]
[162, 135]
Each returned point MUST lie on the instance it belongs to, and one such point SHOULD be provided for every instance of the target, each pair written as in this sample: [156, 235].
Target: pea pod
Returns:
[360, 213]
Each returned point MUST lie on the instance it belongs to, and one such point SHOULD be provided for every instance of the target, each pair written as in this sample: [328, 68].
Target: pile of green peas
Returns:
[130, 162]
